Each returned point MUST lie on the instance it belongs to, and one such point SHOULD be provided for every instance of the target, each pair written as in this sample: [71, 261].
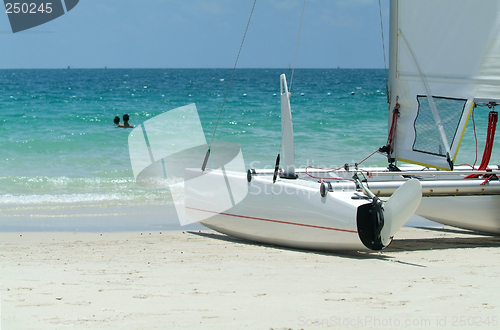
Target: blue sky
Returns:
[201, 34]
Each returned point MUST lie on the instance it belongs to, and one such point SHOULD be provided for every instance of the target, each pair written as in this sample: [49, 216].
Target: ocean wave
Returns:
[85, 198]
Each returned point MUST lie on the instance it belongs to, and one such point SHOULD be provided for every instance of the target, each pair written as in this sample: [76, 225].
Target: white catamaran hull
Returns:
[293, 213]
[447, 197]
[481, 213]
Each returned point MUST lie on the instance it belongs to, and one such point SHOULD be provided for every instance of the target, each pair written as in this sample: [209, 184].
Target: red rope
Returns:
[392, 132]
[488, 147]
[373, 153]
[492, 124]
[464, 164]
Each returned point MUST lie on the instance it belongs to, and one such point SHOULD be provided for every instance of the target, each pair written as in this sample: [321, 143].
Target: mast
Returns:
[287, 132]
[393, 58]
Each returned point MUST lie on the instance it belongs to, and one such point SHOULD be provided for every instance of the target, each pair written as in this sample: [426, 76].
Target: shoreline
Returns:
[92, 218]
[77, 217]
[432, 276]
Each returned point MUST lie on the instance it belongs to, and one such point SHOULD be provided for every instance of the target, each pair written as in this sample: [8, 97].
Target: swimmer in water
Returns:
[125, 122]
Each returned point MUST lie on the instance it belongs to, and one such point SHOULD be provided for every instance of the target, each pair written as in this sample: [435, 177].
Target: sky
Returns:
[202, 34]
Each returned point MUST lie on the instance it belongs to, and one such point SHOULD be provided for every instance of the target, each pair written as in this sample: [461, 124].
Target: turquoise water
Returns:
[60, 147]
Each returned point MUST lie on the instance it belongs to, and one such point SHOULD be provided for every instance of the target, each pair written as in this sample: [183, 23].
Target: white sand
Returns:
[427, 279]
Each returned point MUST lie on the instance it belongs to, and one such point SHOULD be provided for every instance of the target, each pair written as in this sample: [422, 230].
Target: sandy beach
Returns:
[427, 278]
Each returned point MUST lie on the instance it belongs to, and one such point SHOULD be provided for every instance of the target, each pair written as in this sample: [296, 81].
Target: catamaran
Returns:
[290, 208]
[441, 68]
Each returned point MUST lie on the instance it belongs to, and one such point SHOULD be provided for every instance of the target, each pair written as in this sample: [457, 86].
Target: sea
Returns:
[65, 166]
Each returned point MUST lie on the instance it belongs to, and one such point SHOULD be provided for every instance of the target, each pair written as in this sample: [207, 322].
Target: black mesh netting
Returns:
[427, 137]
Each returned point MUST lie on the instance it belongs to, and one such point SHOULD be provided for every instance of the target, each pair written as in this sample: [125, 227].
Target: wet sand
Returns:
[433, 277]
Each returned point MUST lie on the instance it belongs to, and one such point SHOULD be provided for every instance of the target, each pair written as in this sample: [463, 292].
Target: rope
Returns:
[492, 124]
[391, 137]
[383, 48]
[227, 90]
[475, 135]
[326, 178]
[297, 46]
[336, 169]
[488, 147]
[373, 153]
[392, 132]
[465, 164]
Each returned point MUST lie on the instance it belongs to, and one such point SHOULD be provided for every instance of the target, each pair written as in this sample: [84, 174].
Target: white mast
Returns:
[393, 58]
[288, 163]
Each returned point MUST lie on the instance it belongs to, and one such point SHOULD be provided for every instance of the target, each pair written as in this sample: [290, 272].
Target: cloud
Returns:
[355, 3]
[281, 4]
[211, 7]
[338, 19]
[286, 4]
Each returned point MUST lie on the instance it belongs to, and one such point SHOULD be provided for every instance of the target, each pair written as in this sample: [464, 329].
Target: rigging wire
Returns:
[276, 166]
[383, 48]
[346, 167]
[227, 90]
[297, 46]
[475, 135]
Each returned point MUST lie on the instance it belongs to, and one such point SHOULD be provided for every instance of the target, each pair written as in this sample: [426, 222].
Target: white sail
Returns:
[444, 56]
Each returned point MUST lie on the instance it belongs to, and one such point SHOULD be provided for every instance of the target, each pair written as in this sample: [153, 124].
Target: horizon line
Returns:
[188, 68]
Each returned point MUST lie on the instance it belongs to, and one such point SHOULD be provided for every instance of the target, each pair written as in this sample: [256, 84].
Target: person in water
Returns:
[125, 122]
[116, 121]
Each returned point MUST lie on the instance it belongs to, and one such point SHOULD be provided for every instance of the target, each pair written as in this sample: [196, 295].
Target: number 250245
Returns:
[28, 8]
